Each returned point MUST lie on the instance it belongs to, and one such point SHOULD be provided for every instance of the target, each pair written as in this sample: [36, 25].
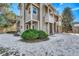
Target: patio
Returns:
[57, 45]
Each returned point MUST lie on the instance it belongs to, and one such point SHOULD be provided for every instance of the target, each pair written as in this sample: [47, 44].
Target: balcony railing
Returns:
[28, 17]
[34, 17]
[51, 19]
[48, 18]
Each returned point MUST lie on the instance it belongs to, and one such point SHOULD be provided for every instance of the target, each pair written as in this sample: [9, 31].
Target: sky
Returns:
[58, 6]
[74, 7]
[14, 8]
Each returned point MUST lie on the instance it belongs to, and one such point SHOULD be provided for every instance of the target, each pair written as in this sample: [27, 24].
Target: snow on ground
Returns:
[57, 45]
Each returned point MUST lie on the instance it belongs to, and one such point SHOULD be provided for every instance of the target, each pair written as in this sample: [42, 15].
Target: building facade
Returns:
[40, 16]
[76, 27]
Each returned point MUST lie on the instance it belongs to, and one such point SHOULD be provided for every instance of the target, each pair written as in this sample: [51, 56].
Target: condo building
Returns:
[75, 27]
[40, 16]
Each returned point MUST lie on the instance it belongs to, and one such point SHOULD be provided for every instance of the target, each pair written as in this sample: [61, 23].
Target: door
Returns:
[35, 26]
[54, 27]
[51, 30]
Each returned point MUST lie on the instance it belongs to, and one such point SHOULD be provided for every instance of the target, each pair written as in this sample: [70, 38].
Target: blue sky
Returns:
[74, 7]
[59, 7]
[14, 8]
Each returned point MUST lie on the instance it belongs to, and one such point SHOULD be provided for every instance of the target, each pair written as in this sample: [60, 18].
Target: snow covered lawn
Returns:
[57, 45]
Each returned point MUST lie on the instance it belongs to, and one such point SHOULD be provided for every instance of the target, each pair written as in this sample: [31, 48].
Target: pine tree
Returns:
[67, 19]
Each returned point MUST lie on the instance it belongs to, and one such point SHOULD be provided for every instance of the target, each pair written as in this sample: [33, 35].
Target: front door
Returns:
[54, 27]
[35, 26]
[51, 30]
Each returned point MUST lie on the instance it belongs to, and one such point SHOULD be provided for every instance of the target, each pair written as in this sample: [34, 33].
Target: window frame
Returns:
[35, 10]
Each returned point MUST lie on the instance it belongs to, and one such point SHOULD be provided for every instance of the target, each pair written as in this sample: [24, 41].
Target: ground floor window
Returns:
[27, 26]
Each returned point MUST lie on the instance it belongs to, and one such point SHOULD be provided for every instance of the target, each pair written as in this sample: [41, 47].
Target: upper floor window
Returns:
[35, 10]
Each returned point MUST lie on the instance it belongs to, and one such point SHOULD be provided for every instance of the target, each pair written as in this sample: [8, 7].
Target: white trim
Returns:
[31, 25]
[31, 10]
[41, 16]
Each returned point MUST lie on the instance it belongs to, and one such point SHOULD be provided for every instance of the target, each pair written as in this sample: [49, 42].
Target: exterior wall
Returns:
[76, 28]
[9, 29]
[12, 28]
[22, 18]
[45, 20]
[58, 24]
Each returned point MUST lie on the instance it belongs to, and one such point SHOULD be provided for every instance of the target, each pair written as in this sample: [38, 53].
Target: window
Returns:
[35, 10]
[33, 27]
[27, 26]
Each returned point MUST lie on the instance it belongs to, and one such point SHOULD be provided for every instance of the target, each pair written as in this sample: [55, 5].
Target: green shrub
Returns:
[42, 35]
[32, 34]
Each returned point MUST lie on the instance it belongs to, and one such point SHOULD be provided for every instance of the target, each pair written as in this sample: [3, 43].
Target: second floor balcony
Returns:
[49, 18]
[34, 17]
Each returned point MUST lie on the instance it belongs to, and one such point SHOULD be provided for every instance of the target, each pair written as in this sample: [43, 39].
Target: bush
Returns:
[32, 34]
[42, 35]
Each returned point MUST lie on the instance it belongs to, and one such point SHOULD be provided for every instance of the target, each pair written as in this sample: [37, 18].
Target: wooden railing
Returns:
[51, 19]
[48, 18]
[28, 17]
[34, 17]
